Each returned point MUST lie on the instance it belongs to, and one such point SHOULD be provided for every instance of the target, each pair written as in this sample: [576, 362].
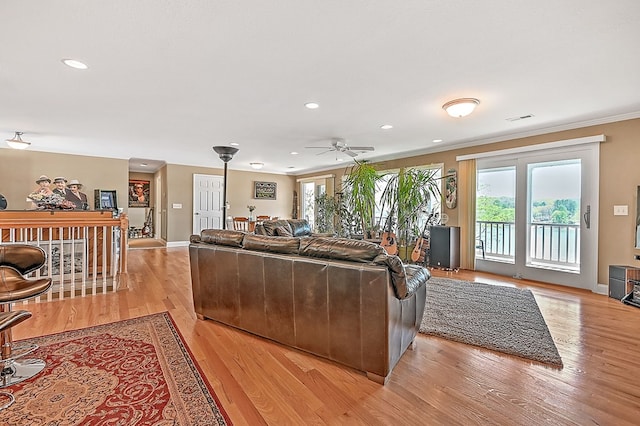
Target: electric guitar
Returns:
[146, 229]
[389, 241]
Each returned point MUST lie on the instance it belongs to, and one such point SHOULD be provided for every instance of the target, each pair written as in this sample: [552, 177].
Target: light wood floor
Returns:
[440, 382]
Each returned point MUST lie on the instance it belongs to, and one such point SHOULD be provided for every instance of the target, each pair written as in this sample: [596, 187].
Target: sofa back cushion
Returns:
[300, 227]
[223, 237]
[287, 245]
[269, 226]
[340, 248]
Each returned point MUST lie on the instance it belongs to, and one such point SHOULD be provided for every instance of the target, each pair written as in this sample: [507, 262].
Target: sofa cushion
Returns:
[269, 226]
[282, 231]
[340, 248]
[287, 245]
[223, 237]
[299, 227]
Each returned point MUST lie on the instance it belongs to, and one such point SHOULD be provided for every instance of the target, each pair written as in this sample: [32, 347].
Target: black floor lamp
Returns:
[226, 153]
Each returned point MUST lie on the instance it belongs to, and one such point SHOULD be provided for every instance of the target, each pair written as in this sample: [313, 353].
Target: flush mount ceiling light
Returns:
[312, 105]
[386, 127]
[17, 143]
[256, 166]
[75, 64]
[460, 107]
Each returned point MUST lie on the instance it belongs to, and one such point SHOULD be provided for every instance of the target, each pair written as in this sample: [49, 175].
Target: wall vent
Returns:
[522, 117]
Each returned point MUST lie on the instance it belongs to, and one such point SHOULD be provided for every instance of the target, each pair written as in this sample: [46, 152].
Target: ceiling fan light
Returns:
[17, 143]
[461, 107]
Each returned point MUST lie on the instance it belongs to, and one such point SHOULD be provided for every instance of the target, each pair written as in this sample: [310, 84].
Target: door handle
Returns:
[587, 217]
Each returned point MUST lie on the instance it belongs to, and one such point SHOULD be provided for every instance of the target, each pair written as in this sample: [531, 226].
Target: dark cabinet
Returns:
[444, 247]
[621, 280]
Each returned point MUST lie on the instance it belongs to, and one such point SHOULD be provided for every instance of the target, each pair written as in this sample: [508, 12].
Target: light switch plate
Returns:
[177, 205]
[620, 210]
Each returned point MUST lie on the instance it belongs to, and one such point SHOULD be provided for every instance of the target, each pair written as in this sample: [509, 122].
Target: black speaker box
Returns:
[444, 247]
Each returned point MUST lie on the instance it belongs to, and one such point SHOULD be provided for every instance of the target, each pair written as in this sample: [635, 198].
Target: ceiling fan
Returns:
[339, 145]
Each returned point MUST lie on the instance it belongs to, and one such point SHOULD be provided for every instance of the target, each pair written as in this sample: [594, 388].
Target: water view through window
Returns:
[552, 211]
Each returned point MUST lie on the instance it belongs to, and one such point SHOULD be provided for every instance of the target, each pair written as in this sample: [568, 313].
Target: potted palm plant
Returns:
[360, 187]
[405, 196]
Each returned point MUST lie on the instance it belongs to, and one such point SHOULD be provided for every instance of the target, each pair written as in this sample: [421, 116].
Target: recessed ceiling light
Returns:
[234, 144]
[144, 164]
[75, 64]
[340, 159]
[294, 153]
[386, 127]
[437, 140]
[312, 105]
[256, 166]
[291, 167]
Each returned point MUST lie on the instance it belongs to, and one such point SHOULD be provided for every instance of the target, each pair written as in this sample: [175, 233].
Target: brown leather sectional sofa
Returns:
[343, 300]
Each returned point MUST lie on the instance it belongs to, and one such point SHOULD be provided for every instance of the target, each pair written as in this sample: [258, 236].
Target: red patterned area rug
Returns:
[132, 372]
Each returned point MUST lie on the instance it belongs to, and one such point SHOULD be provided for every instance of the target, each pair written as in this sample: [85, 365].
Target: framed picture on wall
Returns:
[138, 193]
[264, 190]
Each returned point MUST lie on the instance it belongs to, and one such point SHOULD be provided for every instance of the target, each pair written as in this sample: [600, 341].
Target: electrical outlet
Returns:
[620, 210]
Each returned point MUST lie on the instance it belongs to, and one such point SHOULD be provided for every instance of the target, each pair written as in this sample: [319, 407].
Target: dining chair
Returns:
[241, 223]
[260, 218]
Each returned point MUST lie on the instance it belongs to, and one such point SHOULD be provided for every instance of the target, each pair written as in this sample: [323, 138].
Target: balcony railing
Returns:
[498, 239]
[86, 251]
[551, 245]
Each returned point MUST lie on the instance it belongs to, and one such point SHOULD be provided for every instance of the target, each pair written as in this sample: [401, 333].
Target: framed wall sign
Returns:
[264, 190]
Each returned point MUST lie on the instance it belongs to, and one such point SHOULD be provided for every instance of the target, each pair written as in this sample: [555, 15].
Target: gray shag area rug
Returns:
[503, 319]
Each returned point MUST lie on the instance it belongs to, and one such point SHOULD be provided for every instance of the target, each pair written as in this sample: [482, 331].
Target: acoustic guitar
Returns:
[389, 241]
[418, 250]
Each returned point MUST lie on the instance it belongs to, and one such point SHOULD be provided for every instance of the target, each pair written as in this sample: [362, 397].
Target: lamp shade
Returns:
[460, 107]
[226, 153]
[17, 143]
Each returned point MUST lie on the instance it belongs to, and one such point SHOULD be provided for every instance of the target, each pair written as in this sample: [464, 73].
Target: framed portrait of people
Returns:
[138, 193]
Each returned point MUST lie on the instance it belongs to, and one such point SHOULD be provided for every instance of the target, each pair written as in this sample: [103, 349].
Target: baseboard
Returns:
[601, 289]
[177, 244]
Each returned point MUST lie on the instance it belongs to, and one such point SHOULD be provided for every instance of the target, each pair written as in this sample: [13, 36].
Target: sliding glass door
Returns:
[536, 216]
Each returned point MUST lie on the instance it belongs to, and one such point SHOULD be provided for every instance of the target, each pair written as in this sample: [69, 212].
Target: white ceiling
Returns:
[167, 80]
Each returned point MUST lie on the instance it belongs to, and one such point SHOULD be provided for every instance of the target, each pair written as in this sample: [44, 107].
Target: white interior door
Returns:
[207, 202]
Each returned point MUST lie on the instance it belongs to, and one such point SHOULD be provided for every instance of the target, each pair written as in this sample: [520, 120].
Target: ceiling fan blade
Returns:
[315, 147]
[361, 148]
[351, 153]
[324, 152]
